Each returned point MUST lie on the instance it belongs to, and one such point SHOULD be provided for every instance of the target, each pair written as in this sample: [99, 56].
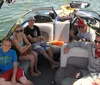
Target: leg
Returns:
[36, 59]
[48, 57]
[4, 82]
[41, 50]
[6, 77]
[21, 78]
[32, 63]
[50, 52]
[25, 81]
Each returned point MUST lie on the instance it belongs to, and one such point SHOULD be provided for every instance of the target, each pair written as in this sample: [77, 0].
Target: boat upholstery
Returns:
[24, 63]
[46, 30]
[62, 30]
[76, 56]
[25, 66]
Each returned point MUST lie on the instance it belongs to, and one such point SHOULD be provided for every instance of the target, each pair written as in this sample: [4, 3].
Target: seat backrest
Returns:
[46, 30]
[76, 56]
[62, 31]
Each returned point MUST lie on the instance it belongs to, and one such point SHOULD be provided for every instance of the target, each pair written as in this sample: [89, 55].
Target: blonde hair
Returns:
[18, 26]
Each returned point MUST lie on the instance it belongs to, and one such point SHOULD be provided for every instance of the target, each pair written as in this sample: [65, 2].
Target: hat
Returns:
[80, 22]
[31, 18]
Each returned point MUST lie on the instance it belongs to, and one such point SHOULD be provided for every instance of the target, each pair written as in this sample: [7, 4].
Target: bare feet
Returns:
[55, 64]
[34, 74]
[38, 71]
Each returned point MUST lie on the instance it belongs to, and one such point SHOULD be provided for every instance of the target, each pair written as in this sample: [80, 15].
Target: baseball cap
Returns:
[80, 22]
[31, 18]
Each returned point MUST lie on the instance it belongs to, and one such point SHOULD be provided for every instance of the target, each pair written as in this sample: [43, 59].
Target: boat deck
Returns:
[47, 73]
[46, 77]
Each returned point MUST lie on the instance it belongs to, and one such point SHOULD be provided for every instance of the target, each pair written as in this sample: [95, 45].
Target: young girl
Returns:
[24, 49]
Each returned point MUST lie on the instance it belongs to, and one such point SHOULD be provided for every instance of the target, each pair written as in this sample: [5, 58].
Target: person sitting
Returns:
[23, 46]
[85, 33]
[63, 17]
[10, 72]
[33, 34]
[93, 76]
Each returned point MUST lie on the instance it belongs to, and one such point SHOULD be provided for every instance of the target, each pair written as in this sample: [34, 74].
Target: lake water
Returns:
[10, 13]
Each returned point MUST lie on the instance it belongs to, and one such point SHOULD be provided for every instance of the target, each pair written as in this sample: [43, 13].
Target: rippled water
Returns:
[10, 13]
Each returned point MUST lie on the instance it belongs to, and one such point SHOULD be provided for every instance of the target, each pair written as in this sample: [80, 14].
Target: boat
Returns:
[54, 31]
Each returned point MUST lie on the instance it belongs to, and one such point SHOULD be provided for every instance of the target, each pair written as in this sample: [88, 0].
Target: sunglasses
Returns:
[17, 31]
[97, 41]
[80, 26]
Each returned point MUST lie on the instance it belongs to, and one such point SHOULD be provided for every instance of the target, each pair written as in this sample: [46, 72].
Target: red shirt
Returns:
[97, 53]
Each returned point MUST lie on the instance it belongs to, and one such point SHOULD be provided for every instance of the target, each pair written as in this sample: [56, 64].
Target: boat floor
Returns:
[46, 77]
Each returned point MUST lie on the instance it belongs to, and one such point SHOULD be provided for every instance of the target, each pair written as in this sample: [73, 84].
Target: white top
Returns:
[89, 35]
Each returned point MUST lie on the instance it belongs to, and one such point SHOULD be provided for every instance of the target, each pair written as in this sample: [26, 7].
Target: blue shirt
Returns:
[7, 59]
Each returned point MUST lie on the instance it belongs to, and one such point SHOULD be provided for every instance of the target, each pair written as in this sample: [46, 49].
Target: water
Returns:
[11, 13]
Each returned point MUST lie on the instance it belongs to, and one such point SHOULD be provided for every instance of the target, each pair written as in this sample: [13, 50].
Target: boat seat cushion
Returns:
[78, 62]
[68, 81]
[45, 35]
[76, 56]
[25, 65]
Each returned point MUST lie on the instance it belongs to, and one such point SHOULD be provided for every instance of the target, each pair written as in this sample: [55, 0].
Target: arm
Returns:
[15, 64]
[26, 40]
[13, 80]
[75, 44]
[35, 39]
[96, 82]
[21, 49]
[71, 33]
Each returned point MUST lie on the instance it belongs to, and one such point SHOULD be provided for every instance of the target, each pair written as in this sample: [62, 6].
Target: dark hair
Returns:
[52, 15]
[98, 32]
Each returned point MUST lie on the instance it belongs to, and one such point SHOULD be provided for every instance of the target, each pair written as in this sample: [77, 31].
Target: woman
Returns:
[24, 49]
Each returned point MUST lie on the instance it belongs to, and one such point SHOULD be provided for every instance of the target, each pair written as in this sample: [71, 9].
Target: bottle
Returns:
[35, 33]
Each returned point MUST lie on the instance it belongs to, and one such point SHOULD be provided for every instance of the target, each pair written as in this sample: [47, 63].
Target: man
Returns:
[85, 32]
[38, 42]
[93, 78]
[10, 72]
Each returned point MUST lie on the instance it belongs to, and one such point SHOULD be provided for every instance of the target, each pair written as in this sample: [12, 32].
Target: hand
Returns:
[71, 33]
[41, 38]
[66, 49]
[35, 39]
[96, 82]
[13, 81]
[83, 39]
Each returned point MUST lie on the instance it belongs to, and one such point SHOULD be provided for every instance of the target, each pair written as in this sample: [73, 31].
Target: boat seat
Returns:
[76, 56]
[24, 63]
[46, 30]
[45, 35]
[25, 66]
